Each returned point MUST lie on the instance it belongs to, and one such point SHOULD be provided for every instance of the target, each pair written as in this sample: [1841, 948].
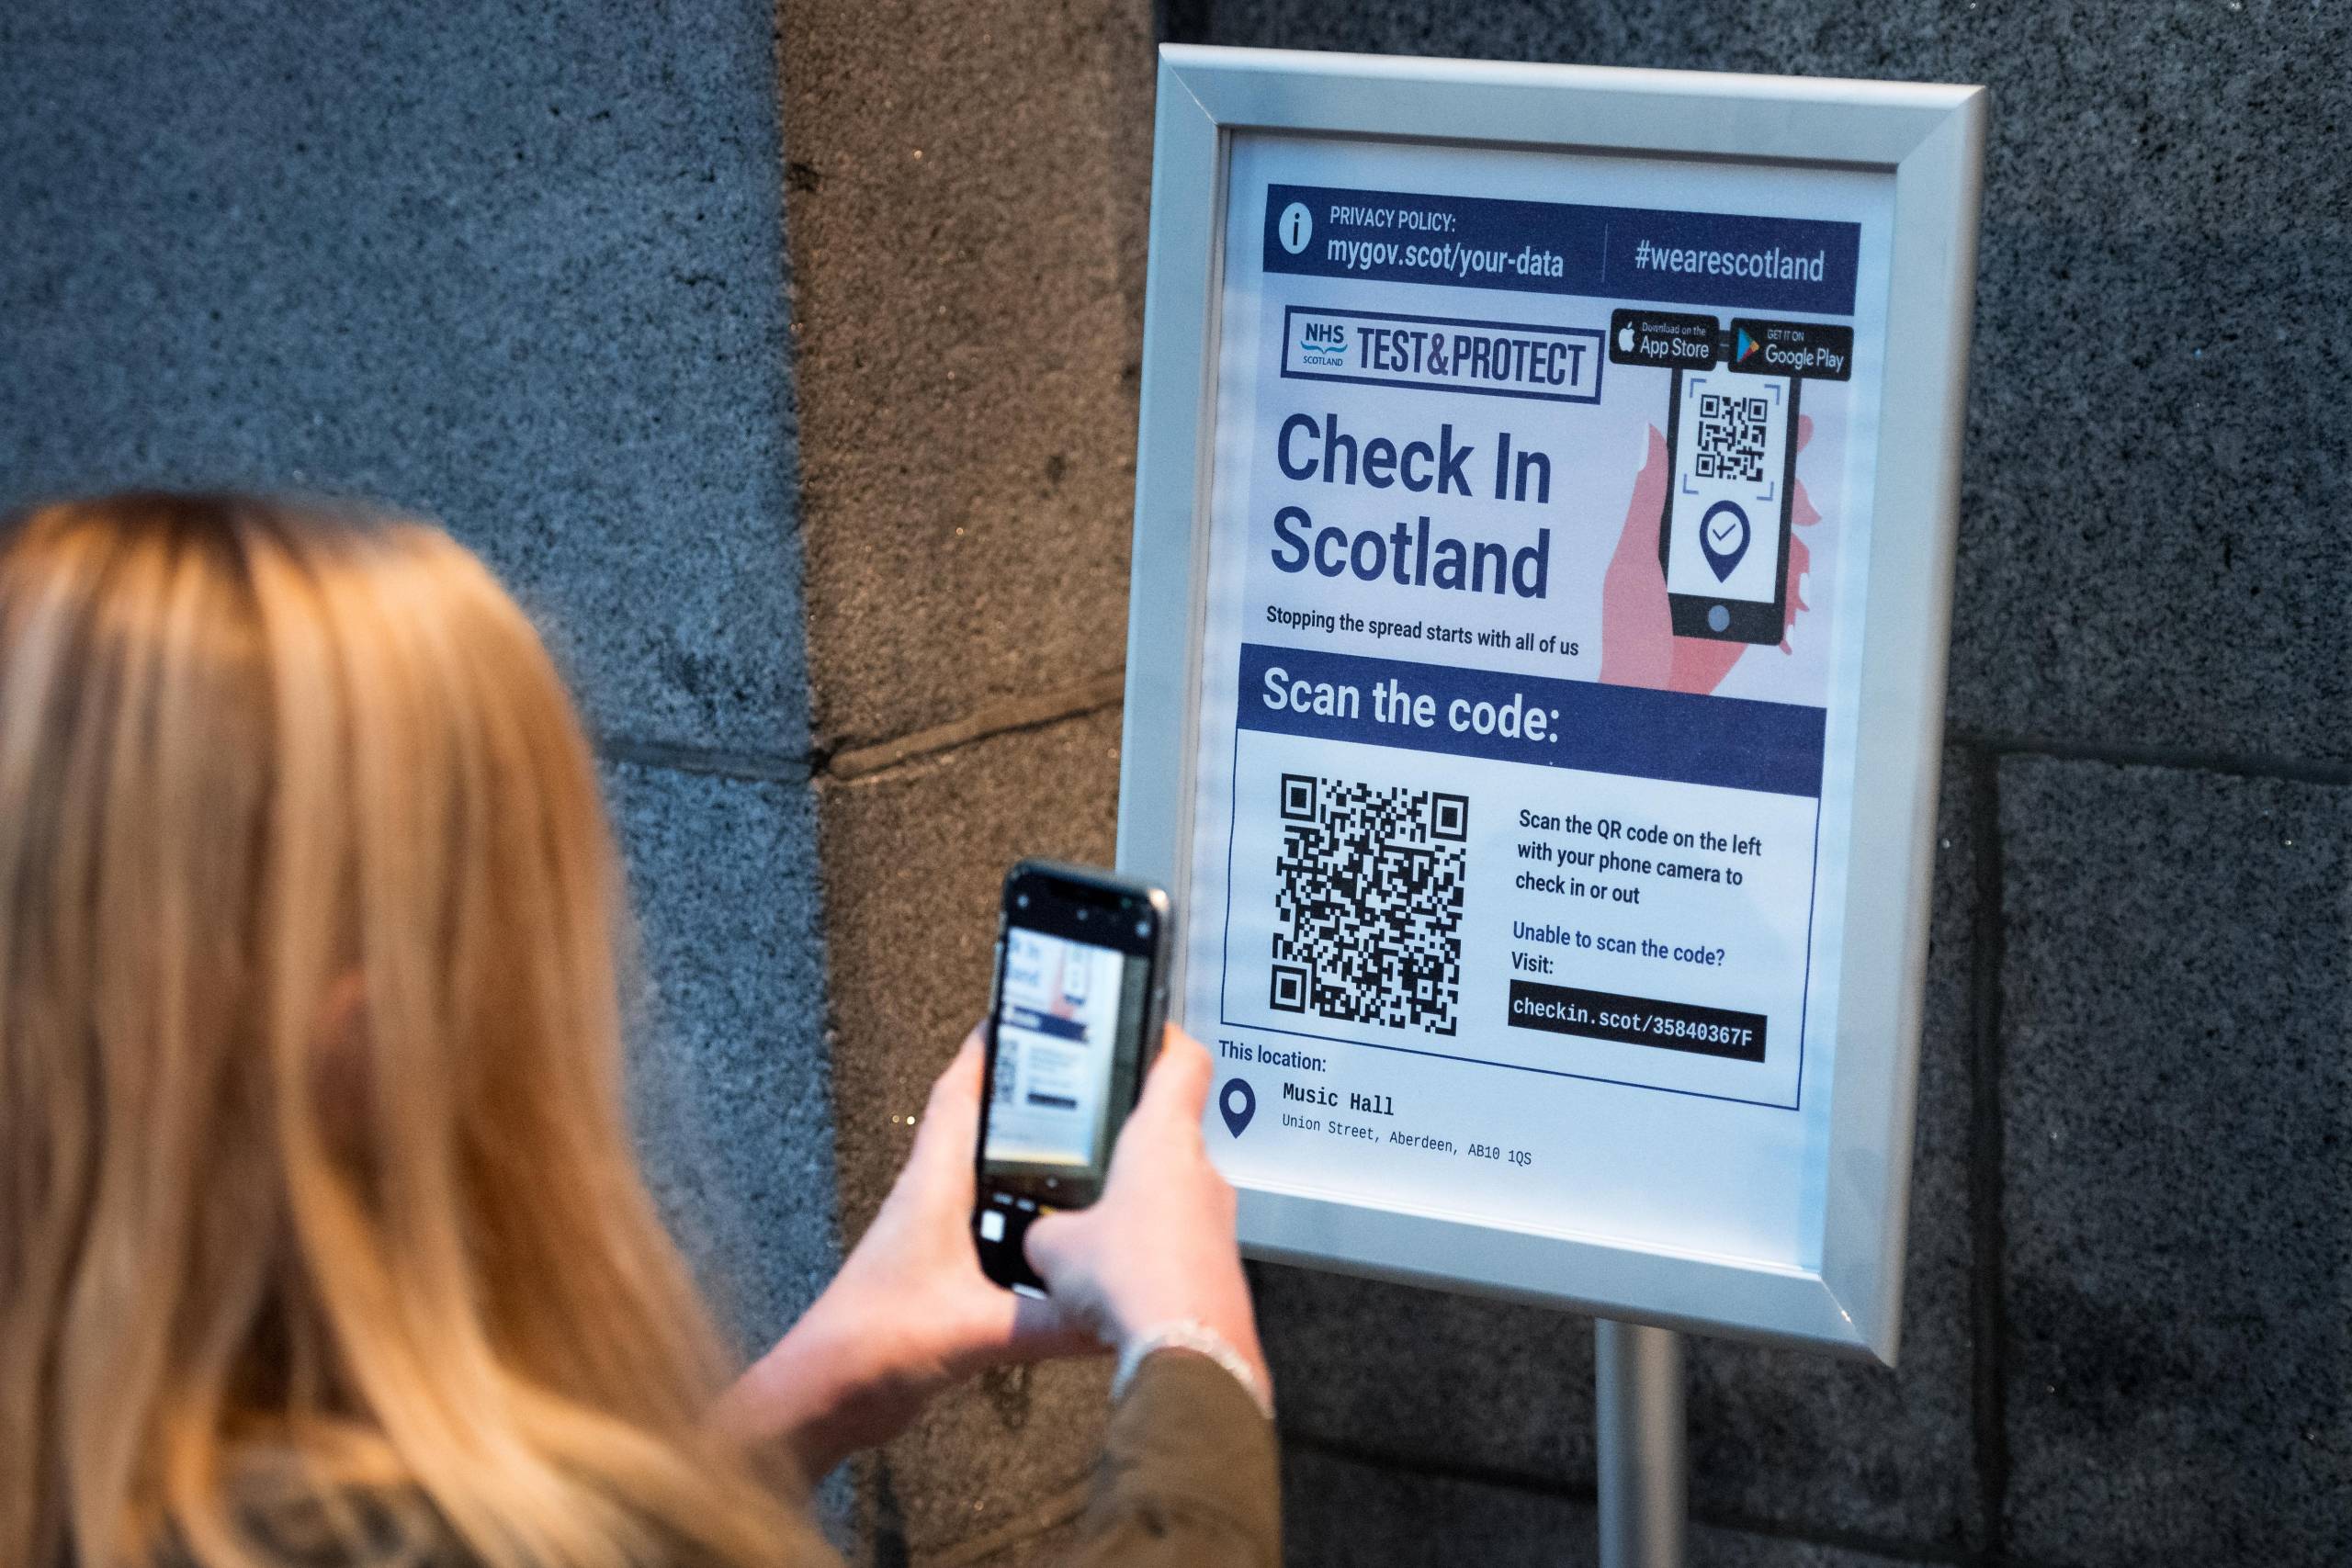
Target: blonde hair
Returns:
[313, 1158]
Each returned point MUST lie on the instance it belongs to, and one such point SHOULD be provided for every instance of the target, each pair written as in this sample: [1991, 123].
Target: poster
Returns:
[1538, 515]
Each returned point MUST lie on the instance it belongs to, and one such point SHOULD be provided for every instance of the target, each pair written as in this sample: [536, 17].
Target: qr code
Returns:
[1368, 903]
[1731, 437]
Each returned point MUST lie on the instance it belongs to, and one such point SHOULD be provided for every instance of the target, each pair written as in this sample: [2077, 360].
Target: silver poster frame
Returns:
[1931, 139]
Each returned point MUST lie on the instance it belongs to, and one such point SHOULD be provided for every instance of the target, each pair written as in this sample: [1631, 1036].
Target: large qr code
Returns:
[1731, 437]
[1368, 903]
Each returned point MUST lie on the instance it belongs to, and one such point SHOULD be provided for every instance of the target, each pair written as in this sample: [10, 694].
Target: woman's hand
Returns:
[910, 1313]
[1159, 1247]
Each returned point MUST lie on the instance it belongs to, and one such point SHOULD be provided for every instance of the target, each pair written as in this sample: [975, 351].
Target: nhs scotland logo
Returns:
[1322, 343]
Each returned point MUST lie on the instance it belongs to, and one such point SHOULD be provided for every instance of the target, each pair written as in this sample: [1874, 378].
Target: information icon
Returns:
[1296, 228]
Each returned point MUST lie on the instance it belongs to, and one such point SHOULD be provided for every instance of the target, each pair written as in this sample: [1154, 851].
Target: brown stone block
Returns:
[913, 858]
[969, 189]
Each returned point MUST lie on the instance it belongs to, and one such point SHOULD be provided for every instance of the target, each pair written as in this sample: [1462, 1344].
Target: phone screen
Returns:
[1080, 996]
[1727, 522]
[1062, 1007]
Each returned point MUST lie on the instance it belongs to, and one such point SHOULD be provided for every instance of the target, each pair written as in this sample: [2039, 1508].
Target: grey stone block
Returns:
[2151, 463]
[1345, 1512]
[1798, 1440]
[2176, 995]
[1776, 1437]
[1414, 1376]
[730, 1065]
[914, 859]
[516, 266]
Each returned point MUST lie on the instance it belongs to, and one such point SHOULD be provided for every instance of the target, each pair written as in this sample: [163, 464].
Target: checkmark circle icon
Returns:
[1724, 536]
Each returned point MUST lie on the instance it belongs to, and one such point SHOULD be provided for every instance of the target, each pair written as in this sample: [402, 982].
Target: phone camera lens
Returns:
[1143, 928]
[1021, 900]
[1081, 914]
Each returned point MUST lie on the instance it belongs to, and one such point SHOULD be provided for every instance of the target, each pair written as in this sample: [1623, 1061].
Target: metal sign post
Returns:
[1645, 1464]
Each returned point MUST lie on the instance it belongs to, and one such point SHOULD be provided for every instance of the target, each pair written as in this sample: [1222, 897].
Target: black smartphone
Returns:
[1076, 1011]
[1724, 539]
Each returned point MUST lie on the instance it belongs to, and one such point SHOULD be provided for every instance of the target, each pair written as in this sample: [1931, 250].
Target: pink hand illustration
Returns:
[1638, 647]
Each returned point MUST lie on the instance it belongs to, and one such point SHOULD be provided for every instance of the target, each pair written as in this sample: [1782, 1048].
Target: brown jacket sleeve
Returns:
[1188, 1477]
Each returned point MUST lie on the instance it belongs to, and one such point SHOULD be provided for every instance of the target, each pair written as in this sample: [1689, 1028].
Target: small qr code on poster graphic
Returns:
[1731, 437]
[1368, 903]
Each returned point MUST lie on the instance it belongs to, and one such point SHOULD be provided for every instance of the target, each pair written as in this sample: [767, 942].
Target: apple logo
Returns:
[1626, 338]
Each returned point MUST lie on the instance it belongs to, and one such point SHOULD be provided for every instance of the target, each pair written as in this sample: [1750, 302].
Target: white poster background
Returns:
[1503, 1125]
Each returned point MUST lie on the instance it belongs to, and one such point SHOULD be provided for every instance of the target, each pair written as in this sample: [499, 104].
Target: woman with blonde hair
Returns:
[321, 1235]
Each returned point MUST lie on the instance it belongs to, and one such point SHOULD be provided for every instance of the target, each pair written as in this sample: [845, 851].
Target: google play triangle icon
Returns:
[1747, 346]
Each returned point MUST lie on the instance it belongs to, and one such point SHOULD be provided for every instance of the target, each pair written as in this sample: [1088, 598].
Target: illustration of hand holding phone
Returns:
[1642, 643]
[1724, 533]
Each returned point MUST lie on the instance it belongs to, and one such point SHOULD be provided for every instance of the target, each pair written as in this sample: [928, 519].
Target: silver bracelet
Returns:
[1191, 1334]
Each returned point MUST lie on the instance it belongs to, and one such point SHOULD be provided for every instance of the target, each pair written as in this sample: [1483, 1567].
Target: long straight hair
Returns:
[315, 1170]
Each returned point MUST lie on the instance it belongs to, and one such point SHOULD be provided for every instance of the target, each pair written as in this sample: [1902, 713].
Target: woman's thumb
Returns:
[1177, 1088]
[1049, 1241]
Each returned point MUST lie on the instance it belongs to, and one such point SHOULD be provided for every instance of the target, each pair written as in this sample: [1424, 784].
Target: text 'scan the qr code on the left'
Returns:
[1368, 903]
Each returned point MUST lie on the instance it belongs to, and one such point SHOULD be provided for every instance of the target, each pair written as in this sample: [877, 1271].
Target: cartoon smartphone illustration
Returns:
[1723, 538]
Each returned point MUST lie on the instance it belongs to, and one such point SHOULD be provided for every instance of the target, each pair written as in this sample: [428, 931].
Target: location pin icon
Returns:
[1723, 534]
[1237, 1103]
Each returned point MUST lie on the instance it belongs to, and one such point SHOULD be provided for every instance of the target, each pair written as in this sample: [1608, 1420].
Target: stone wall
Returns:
[520, 269]
[967, 194]
[2129, 1332]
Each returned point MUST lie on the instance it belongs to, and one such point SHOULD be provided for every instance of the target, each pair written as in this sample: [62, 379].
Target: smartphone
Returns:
[1723, 538]
[1076, 1011]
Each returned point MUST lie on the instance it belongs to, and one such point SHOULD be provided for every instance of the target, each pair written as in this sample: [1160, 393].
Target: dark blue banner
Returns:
[1036, 1023]
[1731, 742]
[1540, 247]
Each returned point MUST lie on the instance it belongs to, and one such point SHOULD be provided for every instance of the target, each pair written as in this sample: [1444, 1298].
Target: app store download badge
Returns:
[1668, 340]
